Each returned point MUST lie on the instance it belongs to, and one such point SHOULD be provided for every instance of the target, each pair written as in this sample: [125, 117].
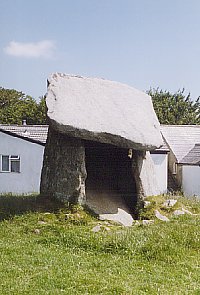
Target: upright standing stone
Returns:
[63, 172]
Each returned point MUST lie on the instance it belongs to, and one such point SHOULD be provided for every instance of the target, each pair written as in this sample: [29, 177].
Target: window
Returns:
[5, 163]
[10, 163]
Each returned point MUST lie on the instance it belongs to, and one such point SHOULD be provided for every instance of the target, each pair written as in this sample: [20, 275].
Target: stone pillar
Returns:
[148, 176]
[63, 173]
[137, 159]
[145, 177]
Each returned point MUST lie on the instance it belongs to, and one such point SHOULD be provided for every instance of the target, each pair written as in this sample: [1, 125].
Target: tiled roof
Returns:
[35, 133]
[181, 138]
[193, 157]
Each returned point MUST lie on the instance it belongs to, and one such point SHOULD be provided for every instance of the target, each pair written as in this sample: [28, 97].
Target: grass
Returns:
[53, 250]
[156, 203]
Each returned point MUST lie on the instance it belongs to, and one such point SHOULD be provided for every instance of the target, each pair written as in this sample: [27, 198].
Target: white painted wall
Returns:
[191, 180]
[31, 159]
[160, 163]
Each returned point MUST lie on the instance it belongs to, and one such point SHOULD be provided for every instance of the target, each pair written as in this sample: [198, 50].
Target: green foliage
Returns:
[15, 107]
[175, 109]
[40, 116]
[50, 253]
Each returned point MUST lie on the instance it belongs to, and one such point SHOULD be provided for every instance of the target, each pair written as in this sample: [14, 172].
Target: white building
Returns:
[21, 158]
[184, 157]
[191, 172]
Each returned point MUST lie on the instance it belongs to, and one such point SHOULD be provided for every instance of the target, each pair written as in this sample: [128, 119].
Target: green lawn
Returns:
[52, 251]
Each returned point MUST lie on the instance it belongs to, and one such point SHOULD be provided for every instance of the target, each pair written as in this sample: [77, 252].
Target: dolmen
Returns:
[99, 140]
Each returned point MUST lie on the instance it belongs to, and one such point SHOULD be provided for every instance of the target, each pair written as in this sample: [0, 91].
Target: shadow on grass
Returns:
[11, 205]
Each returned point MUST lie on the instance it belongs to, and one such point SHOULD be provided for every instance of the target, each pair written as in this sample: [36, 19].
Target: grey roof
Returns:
[193, 157]
[34, 133]
[181, 138]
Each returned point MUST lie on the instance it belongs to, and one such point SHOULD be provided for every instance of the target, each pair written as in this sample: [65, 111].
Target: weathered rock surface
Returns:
[104, 111]
[145, 175]
[178, 212]
[169, 203]
[96, 228]
[63, 173]
[110, 207]
[160, 216]
[187, 212]
[183, 211]
[121, 217]
[148, 176]
[147, 222]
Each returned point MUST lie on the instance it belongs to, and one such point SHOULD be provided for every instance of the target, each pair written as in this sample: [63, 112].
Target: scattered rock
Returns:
[107, 228]
[147, 222]
[183, 211]
[37, 231]
[109, 207]
[42, 222]
[169, 203]
[122, 217]
[160, 216]
[96, 228]
[187, 212]
[178, 212]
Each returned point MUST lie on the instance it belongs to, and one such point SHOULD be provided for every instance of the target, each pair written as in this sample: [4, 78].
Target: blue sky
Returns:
[143, 43]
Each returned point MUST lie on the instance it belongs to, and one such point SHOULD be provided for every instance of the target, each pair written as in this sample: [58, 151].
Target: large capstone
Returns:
[104, 111]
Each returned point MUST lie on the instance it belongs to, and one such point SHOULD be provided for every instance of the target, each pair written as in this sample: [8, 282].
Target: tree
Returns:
[15, 107]
[41, 117]
[175, 109]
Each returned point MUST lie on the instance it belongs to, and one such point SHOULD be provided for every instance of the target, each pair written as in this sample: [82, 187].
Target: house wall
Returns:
[178, 175]
[161, 163]
[191, 183]
[31, 159]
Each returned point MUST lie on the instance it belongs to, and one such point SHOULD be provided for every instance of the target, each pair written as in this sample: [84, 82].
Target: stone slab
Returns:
[109, 206]
[103, 111]
[160, 216]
